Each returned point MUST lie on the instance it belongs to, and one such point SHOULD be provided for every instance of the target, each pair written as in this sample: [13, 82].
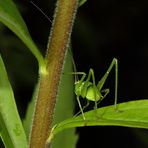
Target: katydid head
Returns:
[81, 88]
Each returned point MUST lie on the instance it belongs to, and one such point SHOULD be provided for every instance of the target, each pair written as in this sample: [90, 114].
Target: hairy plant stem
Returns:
[48, 83]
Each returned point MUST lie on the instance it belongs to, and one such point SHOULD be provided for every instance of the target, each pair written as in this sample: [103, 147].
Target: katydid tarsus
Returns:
[86, 87]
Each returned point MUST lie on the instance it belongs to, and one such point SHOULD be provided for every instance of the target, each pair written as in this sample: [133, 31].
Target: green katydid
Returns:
[86, 89]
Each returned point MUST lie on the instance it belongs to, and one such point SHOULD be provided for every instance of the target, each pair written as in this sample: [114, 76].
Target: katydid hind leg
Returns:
[103, 79]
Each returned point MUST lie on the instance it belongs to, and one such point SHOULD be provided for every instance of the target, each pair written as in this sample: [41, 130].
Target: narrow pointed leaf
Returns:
[81, 2]
[10, 16]
[11, 129]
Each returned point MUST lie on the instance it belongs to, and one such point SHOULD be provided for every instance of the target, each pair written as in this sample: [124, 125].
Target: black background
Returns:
[103, 30]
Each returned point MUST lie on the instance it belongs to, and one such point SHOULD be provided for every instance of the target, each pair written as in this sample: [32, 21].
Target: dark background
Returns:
[103, 30]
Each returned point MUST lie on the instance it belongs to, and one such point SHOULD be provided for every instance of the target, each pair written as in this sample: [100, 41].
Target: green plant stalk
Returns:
[58, 43]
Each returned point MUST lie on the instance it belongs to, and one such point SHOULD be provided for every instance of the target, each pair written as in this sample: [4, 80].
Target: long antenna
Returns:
[40, 11]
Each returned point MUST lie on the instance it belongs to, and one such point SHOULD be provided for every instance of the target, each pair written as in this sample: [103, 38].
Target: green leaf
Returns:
[81, 2]
[10, 16]
[27, 122]
[130, 114]
[11, 129]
